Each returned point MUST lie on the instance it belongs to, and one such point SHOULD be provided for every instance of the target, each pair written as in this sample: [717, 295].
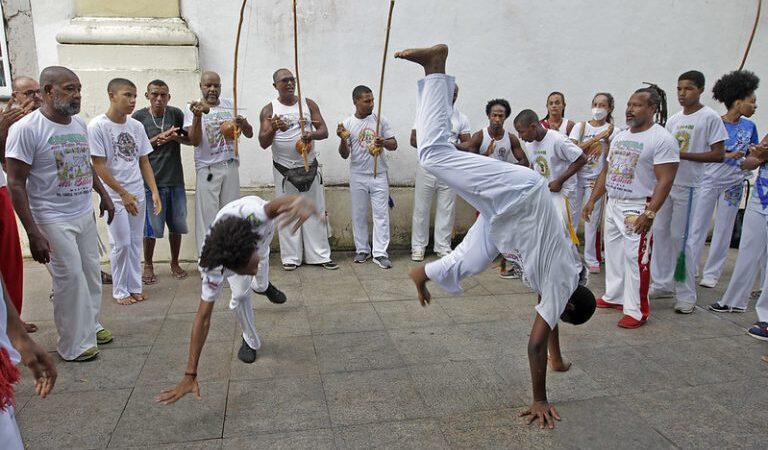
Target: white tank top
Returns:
[563, 127]
[284, 145]
[503, 149]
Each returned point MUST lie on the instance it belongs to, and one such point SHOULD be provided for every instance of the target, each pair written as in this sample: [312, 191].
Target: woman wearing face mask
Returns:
[555, 118]
[594, 138]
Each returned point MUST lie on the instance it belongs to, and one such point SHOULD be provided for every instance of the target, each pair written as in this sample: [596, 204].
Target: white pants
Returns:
[727, 200]
[126, 234]
[626, 276]
[473, 255]
[668, 235]
[211, 196]
[76, 275]
[364, 189]
[592, 240]
[427, 185]
[9, 430]
[752, 251]
[310, 243]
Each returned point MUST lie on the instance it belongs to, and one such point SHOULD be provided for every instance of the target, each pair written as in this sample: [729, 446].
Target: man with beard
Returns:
[361, 145]
[216, 164]
[24, 99]
[280, 129]
[163, 124]
[50, 178]
[641, 166]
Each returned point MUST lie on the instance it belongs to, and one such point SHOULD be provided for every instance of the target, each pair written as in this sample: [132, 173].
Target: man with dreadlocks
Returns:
[700, 134]
[638, 176]
[237, 248]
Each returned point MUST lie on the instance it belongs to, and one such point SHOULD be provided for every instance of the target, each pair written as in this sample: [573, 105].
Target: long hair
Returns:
[561, 97]
[611, 104]
[657, 97]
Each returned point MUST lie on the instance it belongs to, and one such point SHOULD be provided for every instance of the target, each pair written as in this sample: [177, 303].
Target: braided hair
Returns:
[230, 244]
[658, 98]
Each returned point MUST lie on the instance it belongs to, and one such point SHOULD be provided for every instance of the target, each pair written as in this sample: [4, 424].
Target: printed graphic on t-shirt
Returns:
[624, 158]
[683, 136]
[737, 142]
[595, 152]
[365, 137]
[212, 128]
[761, 186]
[125, 147]
[73, 164]
[541, 165]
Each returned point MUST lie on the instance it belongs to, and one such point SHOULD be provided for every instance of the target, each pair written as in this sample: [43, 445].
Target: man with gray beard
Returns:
[50, 179]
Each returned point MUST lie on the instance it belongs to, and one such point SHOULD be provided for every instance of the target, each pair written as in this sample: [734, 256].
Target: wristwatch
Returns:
[649, 214]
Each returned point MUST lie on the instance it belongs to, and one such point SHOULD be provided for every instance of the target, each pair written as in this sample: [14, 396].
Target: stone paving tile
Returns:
[422, 434]
[166, 363]
[208, 444]
[432, 345]
[147, 423]
[386, 289]
[282, 322]
[372, 396]
[475, 309]
[72, 419]
[277, 358]
[348, 352]
[409, 313]
[342, 291]
[495, 429]
[177, 328]
[320, 439]
[343, 318]
[275, 405]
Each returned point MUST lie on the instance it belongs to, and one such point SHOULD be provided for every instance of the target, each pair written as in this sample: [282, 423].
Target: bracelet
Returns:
[191, 374]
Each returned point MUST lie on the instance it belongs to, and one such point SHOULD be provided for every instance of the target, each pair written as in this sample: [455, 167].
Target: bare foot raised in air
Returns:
[559, 365]
[419, 277]
[431, 58]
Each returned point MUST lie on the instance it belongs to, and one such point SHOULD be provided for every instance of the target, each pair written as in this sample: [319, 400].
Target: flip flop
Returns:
[152, 279]
[125, 300]
[179, 275]
[139, 297]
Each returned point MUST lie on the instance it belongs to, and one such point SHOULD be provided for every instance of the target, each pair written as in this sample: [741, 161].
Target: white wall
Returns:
[516, 49]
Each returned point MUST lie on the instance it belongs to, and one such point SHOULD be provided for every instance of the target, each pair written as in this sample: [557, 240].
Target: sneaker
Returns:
[708, 282]
[104, 336]
[654, 294]
[246, 354]
[417, 255]
[717, 307]
[685, 308]
[600, 303]
[289, 267]
[759, 331]
[594, 269]
[442, 253]
[273, 294]
[510, 274]
[330, 265]
[630, 322]
[383, 262]
[88, 354]
[361, 257]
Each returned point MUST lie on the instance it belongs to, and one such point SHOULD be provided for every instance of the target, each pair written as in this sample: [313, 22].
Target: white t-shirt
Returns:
[459, 125]
[213, 148]
[551, 157]
[631, 160]
[5, 342]
[60, 179]
[361, 133]
[122, 144]
[695, 133]
[252, 209]
[594, 165]
[284, 144]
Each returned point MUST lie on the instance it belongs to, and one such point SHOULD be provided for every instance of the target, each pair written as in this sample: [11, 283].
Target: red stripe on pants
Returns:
[11, 264]
[645, 275]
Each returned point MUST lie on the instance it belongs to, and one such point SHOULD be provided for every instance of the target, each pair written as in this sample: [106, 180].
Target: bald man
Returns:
[50, 179]
[24, 99]
[216, 165]
[279, 129]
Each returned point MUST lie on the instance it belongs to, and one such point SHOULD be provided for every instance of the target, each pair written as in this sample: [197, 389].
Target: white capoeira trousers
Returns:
[592, 239]
[364, 190]
[76, 275]
[427, 186]
[211, 196]
[309, 244]
[126, 234]
[627, 272]
[726, 199]
[668, 235]
[9, 430]
[751, 256]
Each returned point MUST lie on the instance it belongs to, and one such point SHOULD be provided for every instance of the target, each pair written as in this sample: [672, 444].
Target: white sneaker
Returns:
[685, 308]
[417, 255]
[442, 254]
[708, 282]
[654, 294]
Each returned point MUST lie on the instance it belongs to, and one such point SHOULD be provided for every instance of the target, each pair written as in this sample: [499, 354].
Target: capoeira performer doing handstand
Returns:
[237, 248]
[516, 214]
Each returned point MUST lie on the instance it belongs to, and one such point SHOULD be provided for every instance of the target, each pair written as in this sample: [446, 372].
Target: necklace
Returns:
[161, 127]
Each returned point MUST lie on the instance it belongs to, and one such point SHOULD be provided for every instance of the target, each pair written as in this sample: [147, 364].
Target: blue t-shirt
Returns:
[727, 173]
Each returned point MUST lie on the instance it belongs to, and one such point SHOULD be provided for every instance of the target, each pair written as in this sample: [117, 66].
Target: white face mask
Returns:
[599, 113]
